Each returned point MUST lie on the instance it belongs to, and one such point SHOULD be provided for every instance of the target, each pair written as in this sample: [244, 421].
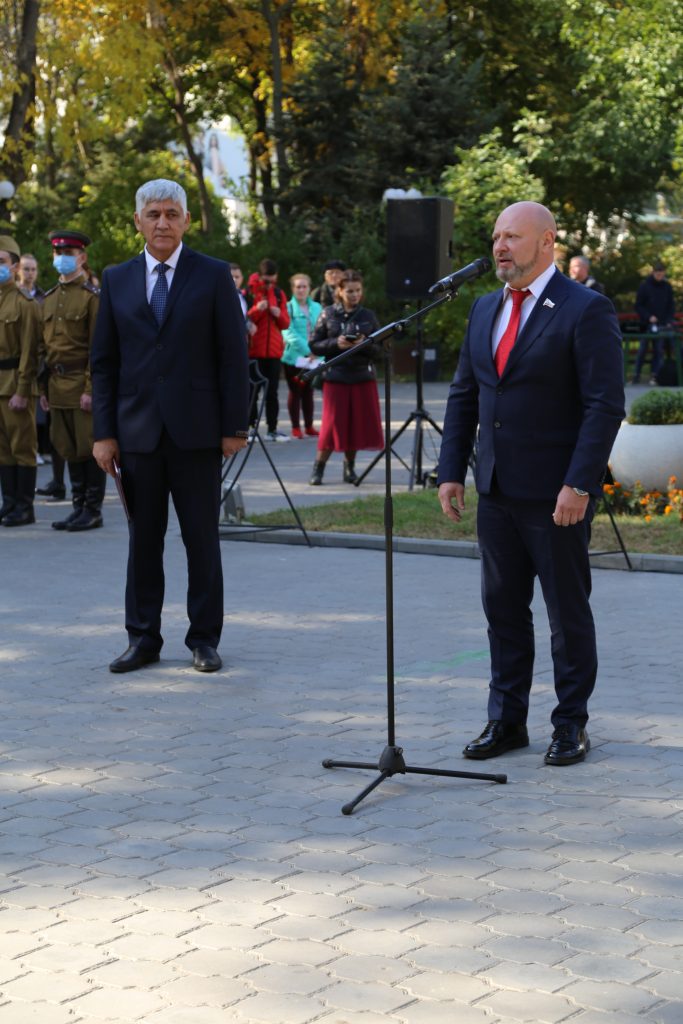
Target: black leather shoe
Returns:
[64, 524]
[52, 490]
[206, 659]
[87, 520]
[19, 517]
[570, 744]
[133, 658]
[497, 738]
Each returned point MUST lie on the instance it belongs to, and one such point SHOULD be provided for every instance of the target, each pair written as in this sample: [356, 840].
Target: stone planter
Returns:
[648, 453]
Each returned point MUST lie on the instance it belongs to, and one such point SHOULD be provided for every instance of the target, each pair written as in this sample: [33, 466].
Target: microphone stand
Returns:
[391, 761]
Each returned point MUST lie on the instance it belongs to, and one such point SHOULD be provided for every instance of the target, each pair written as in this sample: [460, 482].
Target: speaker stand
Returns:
[419, 416]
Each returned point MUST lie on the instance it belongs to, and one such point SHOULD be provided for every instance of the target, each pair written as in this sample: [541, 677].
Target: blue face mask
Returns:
[64, 264]
[5, 273]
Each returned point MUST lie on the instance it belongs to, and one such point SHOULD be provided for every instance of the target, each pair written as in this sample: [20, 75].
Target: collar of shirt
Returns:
[537, 287]
[150, 264]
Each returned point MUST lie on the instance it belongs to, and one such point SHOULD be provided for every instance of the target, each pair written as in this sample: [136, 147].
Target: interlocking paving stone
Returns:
[174, 838]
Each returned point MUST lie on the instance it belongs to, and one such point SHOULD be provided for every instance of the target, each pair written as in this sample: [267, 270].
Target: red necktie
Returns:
[510, 334]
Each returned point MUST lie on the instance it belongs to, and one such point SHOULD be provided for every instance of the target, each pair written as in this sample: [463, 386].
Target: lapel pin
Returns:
[549, 304]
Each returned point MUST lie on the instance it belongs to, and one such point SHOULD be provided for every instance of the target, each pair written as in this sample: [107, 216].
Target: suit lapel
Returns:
[181, 274]
[491, 304]
[544, 312]
[138, 268]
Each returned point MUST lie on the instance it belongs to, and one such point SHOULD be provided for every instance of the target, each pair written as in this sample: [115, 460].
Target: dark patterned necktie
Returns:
[160, 292]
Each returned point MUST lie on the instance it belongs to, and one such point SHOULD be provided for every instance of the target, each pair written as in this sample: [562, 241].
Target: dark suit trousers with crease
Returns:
[519, 541]
[192, 479]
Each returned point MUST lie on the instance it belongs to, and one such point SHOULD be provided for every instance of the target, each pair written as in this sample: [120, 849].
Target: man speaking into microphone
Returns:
[541, 375]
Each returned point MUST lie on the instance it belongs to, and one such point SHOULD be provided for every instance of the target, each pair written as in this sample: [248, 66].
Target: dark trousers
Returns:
[299, 397]
[192, 479]
[519, 541]
[270, 368]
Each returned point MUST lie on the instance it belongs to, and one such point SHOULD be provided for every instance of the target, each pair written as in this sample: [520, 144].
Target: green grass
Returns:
[418, 514]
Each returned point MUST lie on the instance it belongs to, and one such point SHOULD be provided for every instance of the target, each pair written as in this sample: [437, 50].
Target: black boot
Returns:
[317, 474]
[350, 476]
[90, 517]
[77, 474]
[22, 513]
[55, 489]
[8, 482]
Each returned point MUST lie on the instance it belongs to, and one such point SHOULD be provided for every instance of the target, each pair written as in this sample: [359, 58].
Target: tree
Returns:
[19, 35]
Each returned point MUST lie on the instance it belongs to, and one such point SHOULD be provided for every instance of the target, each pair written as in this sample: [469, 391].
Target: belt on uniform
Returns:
[9, 364]
[61, 368]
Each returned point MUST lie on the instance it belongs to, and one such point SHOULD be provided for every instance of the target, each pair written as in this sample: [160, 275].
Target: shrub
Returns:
[657, 408]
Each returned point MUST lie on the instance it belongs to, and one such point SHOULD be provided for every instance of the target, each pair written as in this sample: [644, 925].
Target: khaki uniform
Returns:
[19, 342]
[69, 311]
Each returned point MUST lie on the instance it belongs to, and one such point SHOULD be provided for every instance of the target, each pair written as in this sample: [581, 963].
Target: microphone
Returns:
[468, 273]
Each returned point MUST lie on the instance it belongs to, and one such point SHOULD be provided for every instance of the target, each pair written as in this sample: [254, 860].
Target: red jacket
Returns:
[267, 342]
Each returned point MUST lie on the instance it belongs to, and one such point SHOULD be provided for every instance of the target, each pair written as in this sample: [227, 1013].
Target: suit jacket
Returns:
[553, 415]
[188, 375]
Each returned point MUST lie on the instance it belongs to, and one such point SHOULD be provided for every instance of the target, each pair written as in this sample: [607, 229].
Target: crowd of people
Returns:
[45, 388]
[46, 337]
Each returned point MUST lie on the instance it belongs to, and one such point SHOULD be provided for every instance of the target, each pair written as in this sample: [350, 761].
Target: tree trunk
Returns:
[273, 17]
[179, 108]
[19, 131]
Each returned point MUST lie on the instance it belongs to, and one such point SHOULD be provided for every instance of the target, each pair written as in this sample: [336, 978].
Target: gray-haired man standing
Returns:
[170, 397]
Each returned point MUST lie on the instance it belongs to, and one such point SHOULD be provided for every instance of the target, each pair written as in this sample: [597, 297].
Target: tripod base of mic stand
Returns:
[391, 763]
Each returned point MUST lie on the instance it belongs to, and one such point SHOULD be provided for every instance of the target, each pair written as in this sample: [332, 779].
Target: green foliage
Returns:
[659, 407]
[483, 181]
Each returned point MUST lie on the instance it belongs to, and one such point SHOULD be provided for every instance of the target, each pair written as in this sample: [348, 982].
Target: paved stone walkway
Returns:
[173, 852]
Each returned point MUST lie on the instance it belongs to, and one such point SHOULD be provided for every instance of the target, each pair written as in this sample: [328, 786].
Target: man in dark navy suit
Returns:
[170, 398]
[541, 374]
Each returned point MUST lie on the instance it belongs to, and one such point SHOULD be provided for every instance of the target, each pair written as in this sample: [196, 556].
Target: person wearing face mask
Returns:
[19, 338]
[69, 313]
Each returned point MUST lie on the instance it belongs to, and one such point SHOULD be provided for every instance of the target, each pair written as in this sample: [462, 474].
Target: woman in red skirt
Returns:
[351, 419]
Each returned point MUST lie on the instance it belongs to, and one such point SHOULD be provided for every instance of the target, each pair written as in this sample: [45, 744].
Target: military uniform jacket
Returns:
[69, 312]
[19, 340]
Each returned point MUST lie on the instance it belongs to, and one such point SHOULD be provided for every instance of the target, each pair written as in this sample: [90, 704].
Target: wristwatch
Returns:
[581, 494]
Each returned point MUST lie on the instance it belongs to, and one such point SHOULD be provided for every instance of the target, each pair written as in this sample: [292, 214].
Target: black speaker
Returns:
[419, 245]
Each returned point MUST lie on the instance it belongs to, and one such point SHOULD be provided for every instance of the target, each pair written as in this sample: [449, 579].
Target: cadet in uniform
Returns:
[19, 339]
[69, 313]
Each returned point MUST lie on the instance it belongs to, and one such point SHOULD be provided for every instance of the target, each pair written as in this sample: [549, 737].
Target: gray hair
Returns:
[158, 189]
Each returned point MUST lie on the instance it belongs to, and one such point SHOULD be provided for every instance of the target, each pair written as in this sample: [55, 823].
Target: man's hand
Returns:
[17, 403]
[104, 453]
[232, 445]
[262, 304]
[274, 311]
[570, 508]
[452, 498]
[44, 404]
[86, 403]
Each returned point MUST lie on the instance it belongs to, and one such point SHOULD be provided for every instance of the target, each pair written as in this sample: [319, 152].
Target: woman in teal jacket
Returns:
[303, 315]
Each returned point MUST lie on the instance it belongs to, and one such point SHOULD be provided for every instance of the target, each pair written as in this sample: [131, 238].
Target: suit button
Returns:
[496, 424]
[499, 391]
[159, 348]
[160, 380]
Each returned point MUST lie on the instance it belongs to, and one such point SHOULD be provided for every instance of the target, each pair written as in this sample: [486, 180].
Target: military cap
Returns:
[72, 239]
[334, 265]
[7, 244]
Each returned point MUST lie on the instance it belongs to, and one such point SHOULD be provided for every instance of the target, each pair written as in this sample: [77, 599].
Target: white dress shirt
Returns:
[151, 274]
[537, 287]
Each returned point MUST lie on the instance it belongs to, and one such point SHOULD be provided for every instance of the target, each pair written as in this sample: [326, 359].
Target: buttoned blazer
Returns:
[553, 415]
[188, 375]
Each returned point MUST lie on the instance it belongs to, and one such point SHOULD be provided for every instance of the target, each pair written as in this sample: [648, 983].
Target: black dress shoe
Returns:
[206, 659]
[133, 658]
[53, 490]
[87, 520]
[497, 738]
[569, 745]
